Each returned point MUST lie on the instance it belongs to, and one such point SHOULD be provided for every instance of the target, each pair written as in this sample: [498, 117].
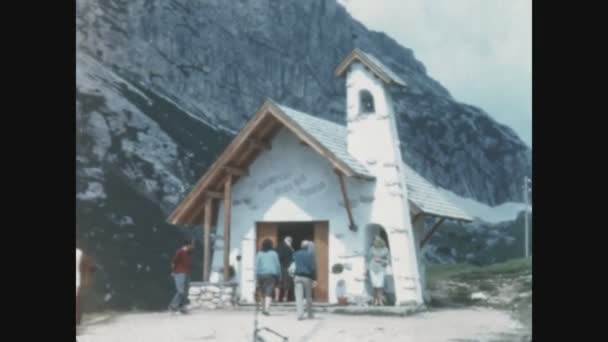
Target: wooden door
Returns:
[321, 234]
[266, 230]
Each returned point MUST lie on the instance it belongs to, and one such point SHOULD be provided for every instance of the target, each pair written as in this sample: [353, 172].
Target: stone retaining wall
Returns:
[211, 296]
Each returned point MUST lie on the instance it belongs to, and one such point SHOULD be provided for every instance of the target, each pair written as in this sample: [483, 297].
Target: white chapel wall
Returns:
[292, 182]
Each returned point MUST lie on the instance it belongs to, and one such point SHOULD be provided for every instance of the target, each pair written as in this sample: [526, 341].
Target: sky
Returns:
[480, 50]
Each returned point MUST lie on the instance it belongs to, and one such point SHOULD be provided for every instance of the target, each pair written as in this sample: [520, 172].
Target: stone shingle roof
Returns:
[329, 134]
[333, 136]
[424, 194]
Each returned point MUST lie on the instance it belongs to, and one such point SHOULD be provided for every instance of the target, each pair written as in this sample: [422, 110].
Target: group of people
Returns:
[277, 270]
[277, 273]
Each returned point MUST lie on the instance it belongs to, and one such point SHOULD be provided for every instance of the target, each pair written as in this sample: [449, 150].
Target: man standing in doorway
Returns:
[180, 267]
[285, 252]
[305, 277]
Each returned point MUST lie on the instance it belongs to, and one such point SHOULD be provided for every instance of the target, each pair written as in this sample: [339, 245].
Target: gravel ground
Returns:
[468, 324]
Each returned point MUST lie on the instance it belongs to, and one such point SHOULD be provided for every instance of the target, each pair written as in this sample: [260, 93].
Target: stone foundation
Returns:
[404, 310]
[211, 296]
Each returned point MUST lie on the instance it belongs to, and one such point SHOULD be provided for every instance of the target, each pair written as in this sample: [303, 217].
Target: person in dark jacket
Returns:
[268, 272]
[180, 268]
[285, 259]
[305, 277]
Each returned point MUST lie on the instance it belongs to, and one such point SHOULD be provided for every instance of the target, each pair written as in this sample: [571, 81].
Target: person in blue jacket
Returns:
[268, 272]
[305, 277]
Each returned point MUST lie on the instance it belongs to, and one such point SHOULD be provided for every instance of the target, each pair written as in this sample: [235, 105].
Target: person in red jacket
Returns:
[180, 267]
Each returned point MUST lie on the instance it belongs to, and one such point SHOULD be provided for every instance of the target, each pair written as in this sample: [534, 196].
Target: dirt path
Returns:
[471, 324]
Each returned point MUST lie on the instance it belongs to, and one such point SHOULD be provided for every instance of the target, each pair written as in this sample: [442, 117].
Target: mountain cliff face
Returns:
[137, 153]
[219, 60]
[163, 85]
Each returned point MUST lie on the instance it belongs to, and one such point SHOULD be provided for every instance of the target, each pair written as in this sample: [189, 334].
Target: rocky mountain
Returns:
[162, 86]
[137, 152]
[220, 60]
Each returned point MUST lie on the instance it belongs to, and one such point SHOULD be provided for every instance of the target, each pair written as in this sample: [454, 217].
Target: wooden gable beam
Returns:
[214, 194]
[428, 236]
[256, 144]
[352, 225]
[264, 135]
[183, 212]
[246, 157]
[266, 126]
[235, 171]
[357, 55]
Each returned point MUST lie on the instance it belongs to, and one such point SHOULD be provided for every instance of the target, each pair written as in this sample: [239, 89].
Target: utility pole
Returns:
[527, 231]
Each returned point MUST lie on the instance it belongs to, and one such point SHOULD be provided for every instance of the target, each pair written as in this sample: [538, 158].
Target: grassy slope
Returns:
[507, 285]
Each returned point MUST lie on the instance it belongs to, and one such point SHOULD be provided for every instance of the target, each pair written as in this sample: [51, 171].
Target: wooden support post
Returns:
[236, 171]
[207, 239]
[428, 236]
[352, 226]
[227, 209]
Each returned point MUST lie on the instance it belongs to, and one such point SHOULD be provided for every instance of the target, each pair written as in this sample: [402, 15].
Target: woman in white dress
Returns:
[378, 261]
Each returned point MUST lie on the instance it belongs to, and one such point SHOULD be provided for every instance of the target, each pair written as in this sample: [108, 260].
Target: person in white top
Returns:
[85, 267]
[378, 258]
[78, 259]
